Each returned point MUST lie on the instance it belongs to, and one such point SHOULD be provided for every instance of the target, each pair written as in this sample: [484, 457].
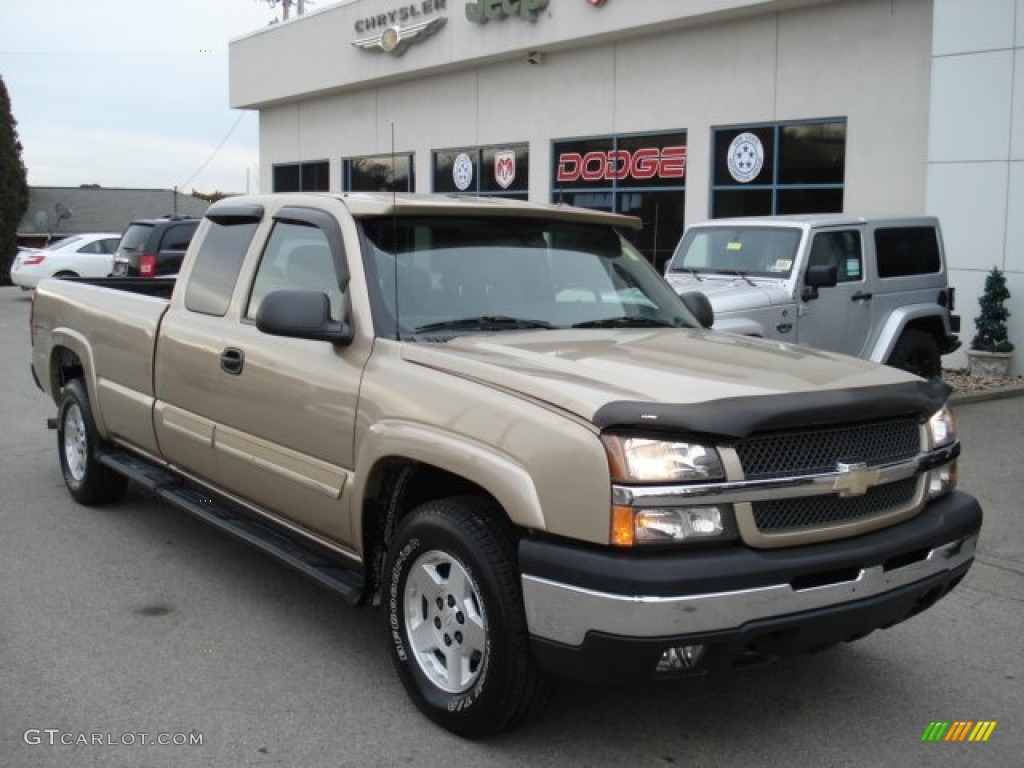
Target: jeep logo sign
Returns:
[486, 10]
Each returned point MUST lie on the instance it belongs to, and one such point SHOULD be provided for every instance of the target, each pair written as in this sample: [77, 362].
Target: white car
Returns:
[89, 255]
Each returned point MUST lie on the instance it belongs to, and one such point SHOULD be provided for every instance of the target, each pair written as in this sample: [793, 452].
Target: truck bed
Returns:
[111, 325]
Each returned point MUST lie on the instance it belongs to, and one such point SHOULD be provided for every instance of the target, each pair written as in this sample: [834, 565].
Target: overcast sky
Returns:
[130, 93]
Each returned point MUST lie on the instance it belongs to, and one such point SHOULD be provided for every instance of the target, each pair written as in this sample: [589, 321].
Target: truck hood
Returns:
[586, 372]
[732, 294]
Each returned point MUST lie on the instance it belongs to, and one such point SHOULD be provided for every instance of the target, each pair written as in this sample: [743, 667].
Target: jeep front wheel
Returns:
[455, 621]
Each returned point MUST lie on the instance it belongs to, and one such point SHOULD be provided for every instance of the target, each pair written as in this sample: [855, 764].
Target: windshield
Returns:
[460, 275]
[749, 251]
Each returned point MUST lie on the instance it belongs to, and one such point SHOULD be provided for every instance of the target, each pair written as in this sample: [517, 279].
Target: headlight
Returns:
[941, 428]
[942, 432]
[645, 460]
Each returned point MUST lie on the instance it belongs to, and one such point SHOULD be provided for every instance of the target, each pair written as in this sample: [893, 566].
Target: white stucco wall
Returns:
[975, 180]
[865, 60]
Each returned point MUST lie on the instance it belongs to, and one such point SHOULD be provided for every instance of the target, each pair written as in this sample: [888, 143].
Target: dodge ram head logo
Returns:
[505, 168]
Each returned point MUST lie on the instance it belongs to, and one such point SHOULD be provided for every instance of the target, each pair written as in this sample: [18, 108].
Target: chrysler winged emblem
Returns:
[395, 39]
[854, 479]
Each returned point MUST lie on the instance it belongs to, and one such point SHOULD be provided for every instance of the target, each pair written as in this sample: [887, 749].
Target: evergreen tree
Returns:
[991, 322]
[13, 186]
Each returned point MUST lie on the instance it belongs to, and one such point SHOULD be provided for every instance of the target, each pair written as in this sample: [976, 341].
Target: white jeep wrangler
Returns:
[873, 287]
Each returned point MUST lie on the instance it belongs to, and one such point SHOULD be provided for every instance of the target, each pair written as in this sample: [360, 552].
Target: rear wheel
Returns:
[917, 352]
[88, 481]
[455, 619]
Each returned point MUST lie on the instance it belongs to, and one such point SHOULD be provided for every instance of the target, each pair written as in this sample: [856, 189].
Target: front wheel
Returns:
[455, 621]
[917, 352]
[88, 481]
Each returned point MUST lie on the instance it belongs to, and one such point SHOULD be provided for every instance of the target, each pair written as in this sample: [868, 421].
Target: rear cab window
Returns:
[219, 259]
[907, 251]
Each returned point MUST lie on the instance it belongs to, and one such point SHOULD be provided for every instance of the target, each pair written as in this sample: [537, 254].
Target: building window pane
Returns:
[812, 153]
[500, 170]
[378, 173]
[316, 177]
[663, 214]
[505, 170]
[445, 163]
[287, 178]
[643, 175]
[744, 156]
[782, 168]
[302, 177]
[809, 201]
[748, 202]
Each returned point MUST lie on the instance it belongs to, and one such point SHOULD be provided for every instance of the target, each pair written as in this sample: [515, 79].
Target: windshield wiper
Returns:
[624, 322]
[736, 272]
[689, 271]
[484, 323]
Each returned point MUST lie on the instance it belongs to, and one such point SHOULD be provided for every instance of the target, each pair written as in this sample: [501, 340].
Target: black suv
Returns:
[154, 247]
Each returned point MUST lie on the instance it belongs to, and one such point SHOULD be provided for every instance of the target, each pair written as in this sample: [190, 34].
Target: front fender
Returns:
[506, 480]
[741, 326]
[898, 321]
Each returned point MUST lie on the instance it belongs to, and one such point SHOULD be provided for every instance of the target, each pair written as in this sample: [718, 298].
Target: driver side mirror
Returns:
[816, 277]
[700, 307]
[302, 315]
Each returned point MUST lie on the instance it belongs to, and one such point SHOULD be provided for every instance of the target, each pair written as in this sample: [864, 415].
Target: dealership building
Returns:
[675, 111]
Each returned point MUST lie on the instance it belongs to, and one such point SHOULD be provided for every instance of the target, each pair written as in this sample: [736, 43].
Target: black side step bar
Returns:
[334, 573]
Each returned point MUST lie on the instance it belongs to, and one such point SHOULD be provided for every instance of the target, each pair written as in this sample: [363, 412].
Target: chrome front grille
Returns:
[814, 451]
[816, 511]
[810, 452]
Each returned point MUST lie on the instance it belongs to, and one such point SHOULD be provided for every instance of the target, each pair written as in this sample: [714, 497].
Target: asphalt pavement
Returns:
[136, 619]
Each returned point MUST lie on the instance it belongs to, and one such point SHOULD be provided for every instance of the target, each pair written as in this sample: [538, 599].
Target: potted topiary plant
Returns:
[991, 351]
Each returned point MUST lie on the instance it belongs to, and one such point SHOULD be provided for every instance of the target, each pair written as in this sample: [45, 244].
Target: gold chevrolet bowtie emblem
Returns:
[854, 479]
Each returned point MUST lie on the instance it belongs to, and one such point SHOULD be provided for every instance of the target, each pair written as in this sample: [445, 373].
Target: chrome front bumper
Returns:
[565, 613]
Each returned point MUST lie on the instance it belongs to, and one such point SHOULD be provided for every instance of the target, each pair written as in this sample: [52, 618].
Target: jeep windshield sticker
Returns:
[734, 246]
[781, 265]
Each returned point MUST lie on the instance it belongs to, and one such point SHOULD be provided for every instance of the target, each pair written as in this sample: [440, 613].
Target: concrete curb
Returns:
[982, 395]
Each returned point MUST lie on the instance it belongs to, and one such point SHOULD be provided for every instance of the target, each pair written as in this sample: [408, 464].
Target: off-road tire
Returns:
[455, 622]
[88, 481]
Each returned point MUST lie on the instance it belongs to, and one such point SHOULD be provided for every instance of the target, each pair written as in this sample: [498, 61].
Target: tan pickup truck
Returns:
[498, 422]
